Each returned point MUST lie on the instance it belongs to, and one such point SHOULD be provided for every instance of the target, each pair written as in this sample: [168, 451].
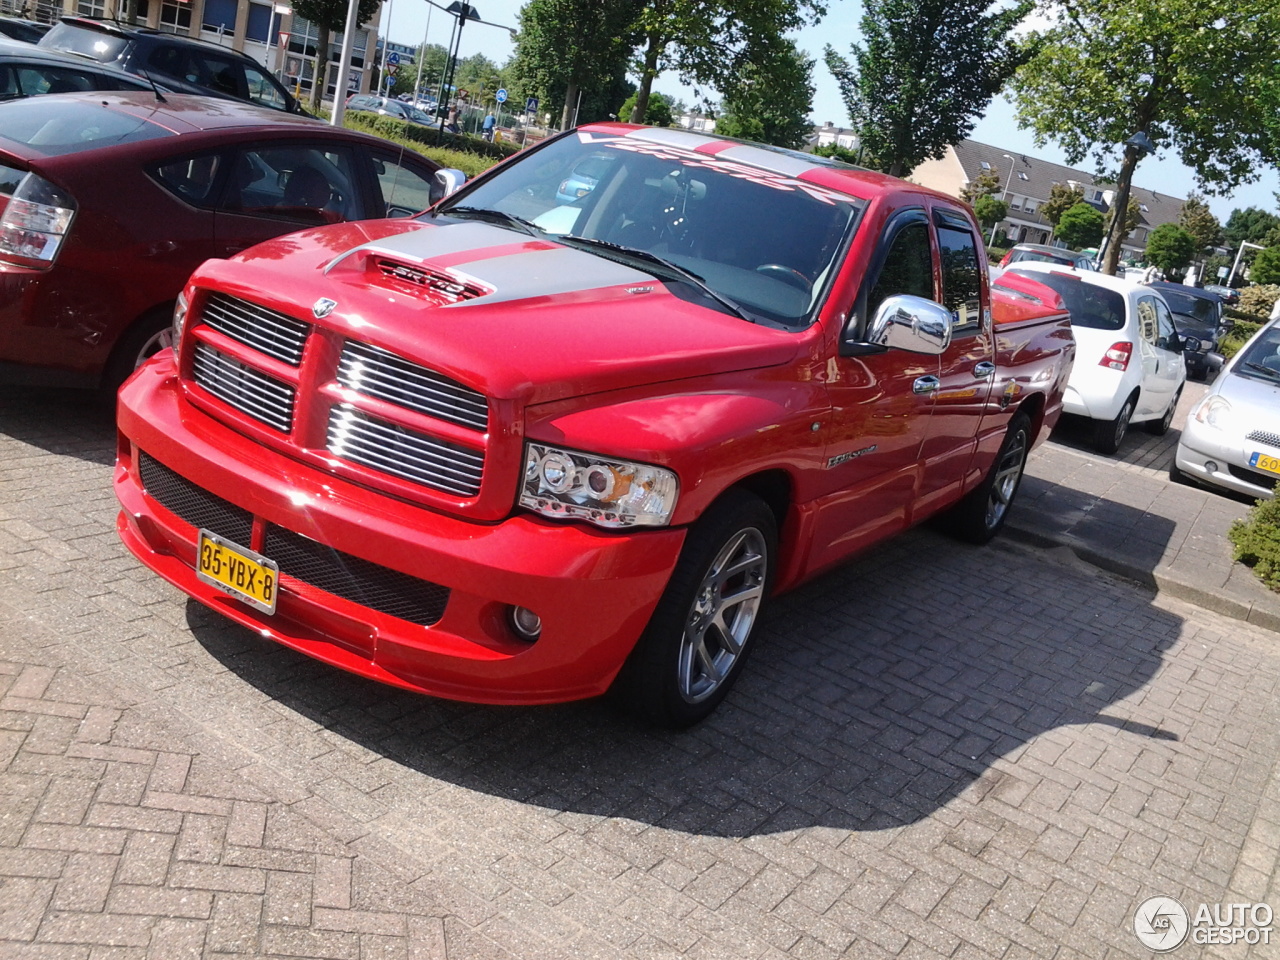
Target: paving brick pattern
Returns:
[938, 751]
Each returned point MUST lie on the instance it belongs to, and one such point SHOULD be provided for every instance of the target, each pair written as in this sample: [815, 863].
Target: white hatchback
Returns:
[1129, 357]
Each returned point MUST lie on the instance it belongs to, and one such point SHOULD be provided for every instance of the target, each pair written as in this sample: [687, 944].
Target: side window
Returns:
[405, 191]
[225, 77]
[311, 185]
[8, 83]
[175, 62]
[961, 283]
[908, 268]
[192, 178]
[262, 90]
[1148, 326]
[1166, 331]
[37, 80]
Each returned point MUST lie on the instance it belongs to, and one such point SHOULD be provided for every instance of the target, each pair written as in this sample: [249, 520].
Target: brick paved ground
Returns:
[939, 751]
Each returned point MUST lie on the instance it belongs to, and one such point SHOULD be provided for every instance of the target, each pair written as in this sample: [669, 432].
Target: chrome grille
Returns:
[265, 330]
[454, 291]
[1263, 436]
[379, 373]
[403, 453]
[262, 397]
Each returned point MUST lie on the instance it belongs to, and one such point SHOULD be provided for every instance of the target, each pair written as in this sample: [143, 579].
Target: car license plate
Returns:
[238, 571]
[1263, 462]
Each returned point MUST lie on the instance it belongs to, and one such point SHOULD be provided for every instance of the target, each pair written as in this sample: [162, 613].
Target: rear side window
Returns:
[101, 46]
[64, 127]
[1089, 305]
[191, 178]
[1036, 255]
[35, 80]
[961, 285]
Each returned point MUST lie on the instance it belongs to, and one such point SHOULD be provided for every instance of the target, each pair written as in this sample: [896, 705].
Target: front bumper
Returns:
[594, 590]
[1207, 455]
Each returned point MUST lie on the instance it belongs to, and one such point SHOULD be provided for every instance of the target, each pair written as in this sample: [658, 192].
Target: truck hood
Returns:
[514, 317]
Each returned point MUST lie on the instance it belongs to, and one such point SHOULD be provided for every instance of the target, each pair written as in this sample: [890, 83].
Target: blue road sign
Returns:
[531, 105]
[394, 59]
[501, 95]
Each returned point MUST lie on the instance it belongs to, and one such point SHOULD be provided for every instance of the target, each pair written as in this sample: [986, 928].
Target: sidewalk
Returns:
[1168, 536]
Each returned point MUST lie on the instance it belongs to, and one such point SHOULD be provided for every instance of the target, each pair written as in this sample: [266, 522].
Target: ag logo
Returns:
[323, 307]
[1161, 923]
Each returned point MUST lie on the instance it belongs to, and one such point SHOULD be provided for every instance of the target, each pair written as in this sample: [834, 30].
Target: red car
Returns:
[108, 202]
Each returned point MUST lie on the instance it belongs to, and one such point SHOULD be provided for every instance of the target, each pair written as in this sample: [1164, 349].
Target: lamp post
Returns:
[1135, 148]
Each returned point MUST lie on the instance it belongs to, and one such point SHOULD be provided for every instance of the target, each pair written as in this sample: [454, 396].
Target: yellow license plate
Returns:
[1264, 462]
[238, 571]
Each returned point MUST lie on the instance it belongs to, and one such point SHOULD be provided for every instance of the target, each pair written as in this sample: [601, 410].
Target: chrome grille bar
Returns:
[268, 331]
[379, 373]
[1264, 436]
[262, 397]
[403, 453]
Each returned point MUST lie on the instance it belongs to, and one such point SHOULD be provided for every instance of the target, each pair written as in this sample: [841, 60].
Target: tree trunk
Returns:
[318, 75]
[647, 76]
[1120, 212]
[570, 101]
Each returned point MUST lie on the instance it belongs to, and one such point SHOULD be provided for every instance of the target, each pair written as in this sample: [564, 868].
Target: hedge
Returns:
[1257, 541]
[471, 155]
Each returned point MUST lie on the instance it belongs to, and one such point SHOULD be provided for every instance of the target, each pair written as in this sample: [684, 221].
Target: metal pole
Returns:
[576, 107]
[442, 98]
[386, 48]
[344, 64]
[1243, 243]
[452, 65]
[422, 58]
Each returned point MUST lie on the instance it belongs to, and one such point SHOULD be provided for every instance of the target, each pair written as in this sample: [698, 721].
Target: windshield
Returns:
[1088, 304]
[98, 44]
[762, 240]
[1200, 309]
[1262, 356]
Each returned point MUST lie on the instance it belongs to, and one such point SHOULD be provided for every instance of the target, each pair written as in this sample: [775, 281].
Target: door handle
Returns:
[925, 385]
[984, 370]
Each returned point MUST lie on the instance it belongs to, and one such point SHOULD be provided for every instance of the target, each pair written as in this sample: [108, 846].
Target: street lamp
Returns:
[1005, 192]
[1135, 148]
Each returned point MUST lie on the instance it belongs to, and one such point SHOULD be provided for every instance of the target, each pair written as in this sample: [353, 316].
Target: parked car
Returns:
[372, 103]
[1129, 366]
[1200, 314]
[1038, 252]
[524, 451]
[182, 63]
[1230, 295]
[27, 71]
[109, 201]
[28, 31]
[1232, 437]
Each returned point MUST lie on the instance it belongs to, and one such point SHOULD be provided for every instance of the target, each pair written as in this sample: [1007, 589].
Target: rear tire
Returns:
[980, 515]
[1109, 434]
[701, 632]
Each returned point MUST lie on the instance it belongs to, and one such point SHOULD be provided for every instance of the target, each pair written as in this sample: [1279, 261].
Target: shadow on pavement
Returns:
[71, 423]
[877, 695]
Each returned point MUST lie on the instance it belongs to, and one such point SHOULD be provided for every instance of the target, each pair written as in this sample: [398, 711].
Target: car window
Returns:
[1166, 332]
[8, 83]
[263, 90]
[192, 178]
[35, 80]
[311, 185]
[1148, 324]
[1089, 305]
[1262, 356]
[908, 268]
[405, 191]
[97, 44]
[73, 126]
[177, 62]
[225, 76]
[961, 284]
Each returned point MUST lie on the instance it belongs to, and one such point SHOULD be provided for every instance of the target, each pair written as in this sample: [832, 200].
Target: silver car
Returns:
[1232, 437]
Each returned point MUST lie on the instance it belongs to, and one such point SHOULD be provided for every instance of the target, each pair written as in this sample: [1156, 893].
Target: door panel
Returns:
[1153, 397]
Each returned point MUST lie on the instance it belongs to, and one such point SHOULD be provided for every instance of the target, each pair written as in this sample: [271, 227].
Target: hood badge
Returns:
[323, 307]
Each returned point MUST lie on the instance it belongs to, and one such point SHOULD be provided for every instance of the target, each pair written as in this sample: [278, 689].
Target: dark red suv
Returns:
[109, 201]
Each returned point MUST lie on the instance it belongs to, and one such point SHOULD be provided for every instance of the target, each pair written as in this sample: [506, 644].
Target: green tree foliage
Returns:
[1197, 76]
[1211, 266]
[431, 58]
[1170, 248]
[837, 152]
[330, 17]
[710, 42]
[985, 184]
[1080, 226]
[1061, 199]
[658, 113]
[1266, 266]
[571, 47]
[1251, 224]
[989, 210]
[1197, 219]
[925, 71]
[771, 101]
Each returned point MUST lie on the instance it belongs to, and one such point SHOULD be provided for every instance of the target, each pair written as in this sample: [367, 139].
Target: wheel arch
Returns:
[155, 314]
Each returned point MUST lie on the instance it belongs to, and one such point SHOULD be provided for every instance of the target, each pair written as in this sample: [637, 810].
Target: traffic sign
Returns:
[501, 95]
[393, 59]
[531, 105]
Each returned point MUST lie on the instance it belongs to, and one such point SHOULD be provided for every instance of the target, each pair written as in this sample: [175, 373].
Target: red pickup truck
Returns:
[569, 430]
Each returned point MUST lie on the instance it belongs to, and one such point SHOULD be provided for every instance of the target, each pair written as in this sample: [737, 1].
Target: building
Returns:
[270, 33]
[1026, 183]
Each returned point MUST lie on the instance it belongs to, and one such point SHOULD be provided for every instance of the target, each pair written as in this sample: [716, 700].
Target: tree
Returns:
[1196, 76]
[1266, 266]
[989, 210]
[1211, 266]
[570, 46]
[771, 101]
[1132, 216]
[837, 152]
[1061, 199]
[985, 184]
[926, 70]
[1197, 219]
[1170, 248]
[1251, 224]
[659, 110]
[710, 42]
[330, 17]
[1080, 226]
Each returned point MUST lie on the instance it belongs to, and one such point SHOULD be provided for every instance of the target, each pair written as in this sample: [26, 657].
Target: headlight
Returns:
[1215, 411]
[179, 320]
[608, 493]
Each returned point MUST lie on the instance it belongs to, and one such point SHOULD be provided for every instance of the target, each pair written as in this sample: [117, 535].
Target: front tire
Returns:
[1109, 434]
[148, 336]
[980, 515]
[701, 632]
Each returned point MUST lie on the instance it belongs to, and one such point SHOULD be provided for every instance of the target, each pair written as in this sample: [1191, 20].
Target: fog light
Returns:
[1210, 466]
[526, 624]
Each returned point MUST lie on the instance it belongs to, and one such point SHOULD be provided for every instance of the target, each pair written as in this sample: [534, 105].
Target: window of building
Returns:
[91, 8]
[1030, 205]
[260, 22]
[220, 16]
[1022, 176]
[984, 165]
[1015, 203]
[1142, 207]
[175, 17]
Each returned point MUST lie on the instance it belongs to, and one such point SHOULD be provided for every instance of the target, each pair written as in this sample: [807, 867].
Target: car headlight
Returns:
[609, 493]
[1215, 411]
[179, 320]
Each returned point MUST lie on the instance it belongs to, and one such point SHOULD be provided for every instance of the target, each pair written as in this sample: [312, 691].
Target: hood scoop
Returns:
[444, 287]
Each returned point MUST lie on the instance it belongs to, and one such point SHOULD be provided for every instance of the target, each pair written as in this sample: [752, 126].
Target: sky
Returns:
[406, 21]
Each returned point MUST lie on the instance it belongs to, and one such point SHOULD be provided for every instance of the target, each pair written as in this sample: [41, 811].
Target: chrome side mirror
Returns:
[911, 323]
[447, 182]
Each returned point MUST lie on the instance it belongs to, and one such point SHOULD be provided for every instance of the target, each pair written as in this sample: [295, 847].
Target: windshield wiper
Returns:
[673, 270]
[1270, 373]
[494, 216]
